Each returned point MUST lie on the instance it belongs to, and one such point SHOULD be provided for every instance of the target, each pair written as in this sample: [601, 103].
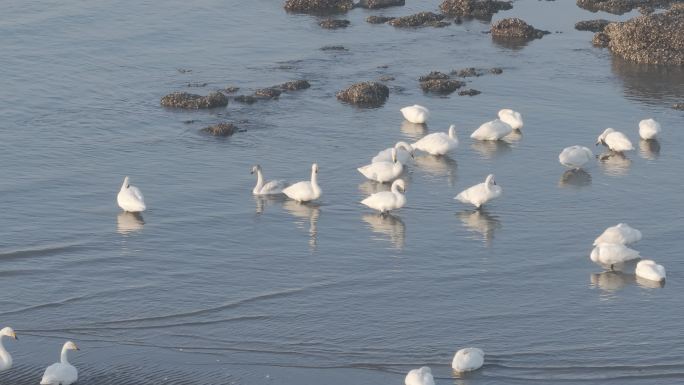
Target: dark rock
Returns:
[221, 129]
[438, 24]
[246, 99]
[366, 94]
[646, 10]
[374, 4]
[441, 86]
[467, 72]
[231, 89]
[417, 20]
[378, 19]
[496, 71]
[678, 106]
[183, 70]
[592, 25]
[294, 85]
[600, 40]
[192, 101]
[653, 39]
[267, 93]
[515, 29]
[481, 9]
[189, 121]
[333, 48]
[318, 6]
[469, 92]
[333, 23]
[434, 75]
[386, 78]
[619, 7]
[198, 85]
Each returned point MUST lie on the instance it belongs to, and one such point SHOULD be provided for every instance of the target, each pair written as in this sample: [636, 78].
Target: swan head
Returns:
[399, 185]
[256, 168]
[490, 180]
[9, 332]
[314, 168]
[602, 138]
[69, 345]
[406, 147]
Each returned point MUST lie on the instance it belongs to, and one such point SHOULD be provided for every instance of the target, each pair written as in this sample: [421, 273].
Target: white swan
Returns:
[615, 140]
[468, 359]
[61, 373]
[649, 129]
[575, 156]
[512, 118]
[422, 376]
[416, 114]
[130, 198]
[612, 255]
[438, 143]
[266, 188]
[621, 233]
[5, 357]
[386, 201]
[480, 193]
[493, 130]
[650, 270]
[306, 190]
[404, 154]
[383, 171]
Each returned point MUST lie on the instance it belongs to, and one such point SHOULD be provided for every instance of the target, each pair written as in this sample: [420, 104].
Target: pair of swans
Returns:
[303, 191]
[497, 129]
[438, 143]
[465, 360]
[59, 373]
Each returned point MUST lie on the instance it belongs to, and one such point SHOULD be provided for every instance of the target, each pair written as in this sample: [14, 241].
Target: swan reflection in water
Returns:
[387, 225]
[575, 178]
[439, 166]
[615, 163]
[414, 131]
[490, 149]
[129, 222]
[304, 212]
[611, 281]
[649, 149]
[263, 201]
[481, 222]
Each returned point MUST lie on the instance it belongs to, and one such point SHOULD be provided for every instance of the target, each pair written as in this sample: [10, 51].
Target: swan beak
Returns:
[252, 172]
[14, 335]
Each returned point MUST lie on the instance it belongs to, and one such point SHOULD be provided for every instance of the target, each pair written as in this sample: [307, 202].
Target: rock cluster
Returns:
[374, 4]
[619, 7]
[515, 29]
[318, 6]
[365, 94]
[469, 92]
[481, 9]
[193, 101]
[592, 25]
[421, 19]
[379, 19]
[333, 23]
[221, 129]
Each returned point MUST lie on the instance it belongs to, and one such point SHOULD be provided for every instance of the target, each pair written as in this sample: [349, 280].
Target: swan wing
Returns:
[59, 374]
[273, 187]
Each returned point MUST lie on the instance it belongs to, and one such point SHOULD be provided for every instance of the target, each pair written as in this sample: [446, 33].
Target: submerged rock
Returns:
[294, 85]
[246, 99]
[267, 93]
[333, 23]
[192, 101]
[221, 129]
[496, 70]
[231, 89]
[434, 75]
[196, 84]
[469, 92]
[421, 19]
[467, 72]
[441, 86]
[379, 19]
[386, 78]
[678, 106]
[365, 94]
[481, 9]
[374, 4]
[653, 39]
[318, 6]
[600, 40]
[334, 48]
[619, 7]
[592, 25]
[515, 29]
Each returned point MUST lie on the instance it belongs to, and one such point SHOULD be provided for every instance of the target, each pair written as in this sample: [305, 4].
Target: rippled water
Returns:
[213, 286]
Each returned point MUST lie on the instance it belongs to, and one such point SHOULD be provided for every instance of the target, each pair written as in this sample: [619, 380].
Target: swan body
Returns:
[611, 254]
[512, 118]
[416, 114]
[130, 198]
[5, 357]
[649, 129]
[422, 376]
[383, 171]
[61, 373]
[468, 359]
[404, 154]
[266, 188]
[493, 130]
[480, 193]
[575, 156]
[615, 140]
[386, 201]
[650, 270]
[305, 191]
[621, 233]
[438, 143]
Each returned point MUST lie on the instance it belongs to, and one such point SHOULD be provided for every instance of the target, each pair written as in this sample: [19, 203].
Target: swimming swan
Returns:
[383, 171]
[385, 201]
[416, 114]
[422, 376]
[306, 190]
[266, 188]
[621, 233]
[468, 359]
[649, 129]
[650, 270]
[612, 255]
[575, 156]
[480, 193]
[5, 358]
[61, 373]
[130, 198]
[512, 118]
[614, 140]
[438, 143]
[494, 130]
[404, 154]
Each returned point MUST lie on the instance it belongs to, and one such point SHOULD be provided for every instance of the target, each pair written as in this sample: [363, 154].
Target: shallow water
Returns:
[213, 286]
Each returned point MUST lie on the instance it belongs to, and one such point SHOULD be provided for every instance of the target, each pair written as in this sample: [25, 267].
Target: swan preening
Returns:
[468, 359]
[493, 130]
[305, 191]
[650, 270]
[5, 357]
[480, 193]
[416, 114]
[512, 118]
[404, 154]
[62, 372]
[621, 233]
[615, 140]
[266, 188]
[130, 198]
[422, 376]
[649, 129]
[438, 143]
[613, 255]
[385, 201]
[575, 157]
[383, 171]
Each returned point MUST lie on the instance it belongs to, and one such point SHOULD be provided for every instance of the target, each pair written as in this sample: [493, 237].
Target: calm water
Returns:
[213, 286]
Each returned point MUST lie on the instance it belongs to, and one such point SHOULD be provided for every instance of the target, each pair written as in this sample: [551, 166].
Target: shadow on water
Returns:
[438, 166]
[127, 223]
[649, 149]
[611, 281]
[513, 44]
[305, 212]
[615, 163]
[481, 222]
[414, 131]
[576, 178]
[648, 83]
[389, 226]
[491, 149]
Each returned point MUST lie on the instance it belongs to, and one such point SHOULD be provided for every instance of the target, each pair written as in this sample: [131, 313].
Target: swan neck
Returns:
[260, 180]
[452, 132]
[5, 357]
[63, 356]
[314, 179]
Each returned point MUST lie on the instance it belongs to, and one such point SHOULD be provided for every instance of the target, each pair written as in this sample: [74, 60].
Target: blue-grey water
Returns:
[213, 286]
